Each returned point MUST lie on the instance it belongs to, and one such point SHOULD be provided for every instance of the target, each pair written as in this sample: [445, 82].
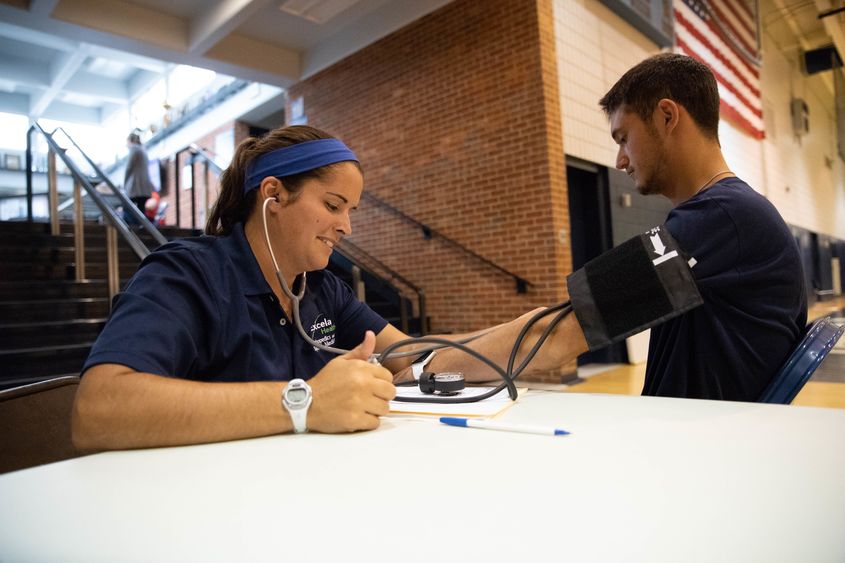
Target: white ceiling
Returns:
[82, 60]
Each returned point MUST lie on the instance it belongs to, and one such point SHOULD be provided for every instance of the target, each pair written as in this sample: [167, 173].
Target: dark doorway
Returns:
[591, 234]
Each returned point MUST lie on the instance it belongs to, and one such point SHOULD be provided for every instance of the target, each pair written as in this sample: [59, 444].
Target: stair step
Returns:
[49, 333]
[21, 271]
[67, 254]
[52, 289]
[66, 227]
[54, 309]
[92, 239]
[42, 361]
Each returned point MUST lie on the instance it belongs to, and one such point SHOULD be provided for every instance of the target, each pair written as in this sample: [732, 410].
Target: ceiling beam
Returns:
[211, 25]
[26, 35]
[64, 69]
[69, 21]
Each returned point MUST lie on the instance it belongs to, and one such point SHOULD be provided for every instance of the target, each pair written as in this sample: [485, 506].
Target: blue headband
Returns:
[296, 159]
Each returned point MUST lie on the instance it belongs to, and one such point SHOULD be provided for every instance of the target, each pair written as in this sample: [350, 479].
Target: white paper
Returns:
[487, 407]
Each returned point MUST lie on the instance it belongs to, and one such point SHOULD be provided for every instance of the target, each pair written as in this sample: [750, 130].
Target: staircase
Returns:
[48, 321]
[379, 295]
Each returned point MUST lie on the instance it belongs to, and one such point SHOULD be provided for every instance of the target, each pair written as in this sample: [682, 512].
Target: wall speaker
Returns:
[819, 60]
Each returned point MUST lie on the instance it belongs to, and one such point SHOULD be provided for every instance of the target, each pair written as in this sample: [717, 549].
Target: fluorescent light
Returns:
[317, 11]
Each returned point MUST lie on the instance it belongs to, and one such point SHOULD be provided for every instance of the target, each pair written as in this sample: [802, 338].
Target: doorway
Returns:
[591, 234]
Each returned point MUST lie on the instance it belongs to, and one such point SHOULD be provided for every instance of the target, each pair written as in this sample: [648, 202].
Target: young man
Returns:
[664, 115]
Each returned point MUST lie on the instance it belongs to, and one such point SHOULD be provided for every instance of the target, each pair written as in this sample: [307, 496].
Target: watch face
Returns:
[296, 395]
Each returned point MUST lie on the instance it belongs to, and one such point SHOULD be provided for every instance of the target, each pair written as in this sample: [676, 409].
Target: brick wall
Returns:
[456, 119]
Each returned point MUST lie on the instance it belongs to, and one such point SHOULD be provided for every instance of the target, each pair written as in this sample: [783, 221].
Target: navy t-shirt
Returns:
[749, 273]
[199, 308]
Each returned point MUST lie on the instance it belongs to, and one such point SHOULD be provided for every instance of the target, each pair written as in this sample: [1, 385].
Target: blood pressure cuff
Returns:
[634, 286]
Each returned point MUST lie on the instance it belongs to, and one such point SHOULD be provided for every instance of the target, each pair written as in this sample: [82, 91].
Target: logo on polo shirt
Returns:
[323, 331]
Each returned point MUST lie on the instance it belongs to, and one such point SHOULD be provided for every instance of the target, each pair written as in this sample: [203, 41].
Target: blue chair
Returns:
[820, 338]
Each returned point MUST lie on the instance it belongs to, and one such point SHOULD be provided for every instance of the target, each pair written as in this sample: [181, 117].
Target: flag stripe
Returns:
[728, 98]
[743, 4]
[722, 35]
[725, 83]
[742, 61]
[709, 30]
[734, 116]
[748, 75]
[743, 23]
[726, 21]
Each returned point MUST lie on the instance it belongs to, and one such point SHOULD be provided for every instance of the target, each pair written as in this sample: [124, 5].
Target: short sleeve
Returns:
[162, 320]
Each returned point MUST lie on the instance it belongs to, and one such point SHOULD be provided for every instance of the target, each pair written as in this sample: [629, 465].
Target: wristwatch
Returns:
[296, 398]
[418, 365]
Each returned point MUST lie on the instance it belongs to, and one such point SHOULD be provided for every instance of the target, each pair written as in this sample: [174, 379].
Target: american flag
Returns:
[723, 35]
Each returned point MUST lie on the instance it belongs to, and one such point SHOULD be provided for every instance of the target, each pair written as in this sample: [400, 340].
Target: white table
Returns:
[639, 479]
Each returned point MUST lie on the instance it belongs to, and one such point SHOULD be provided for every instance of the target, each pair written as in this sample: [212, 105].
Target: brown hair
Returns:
[679, 78]
[233, 206]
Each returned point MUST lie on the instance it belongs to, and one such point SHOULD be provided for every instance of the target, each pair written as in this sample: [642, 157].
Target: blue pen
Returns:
[493, 425]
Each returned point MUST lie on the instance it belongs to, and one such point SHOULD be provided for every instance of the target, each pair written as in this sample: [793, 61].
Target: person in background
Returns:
[201, 345]
[136, 180]
[664, 115]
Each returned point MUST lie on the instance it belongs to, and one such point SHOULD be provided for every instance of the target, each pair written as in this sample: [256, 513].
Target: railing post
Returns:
[193, 194]
[178, 190]
[205, 191]
[113, 264]
[29, 174]
[357, 284]
[78, 232]
[53, 192]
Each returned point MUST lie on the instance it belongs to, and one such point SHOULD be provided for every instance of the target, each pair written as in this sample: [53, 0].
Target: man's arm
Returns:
[117, 407]
[564, 344]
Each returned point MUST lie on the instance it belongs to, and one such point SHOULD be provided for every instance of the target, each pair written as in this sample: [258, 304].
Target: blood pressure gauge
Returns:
[443, 384]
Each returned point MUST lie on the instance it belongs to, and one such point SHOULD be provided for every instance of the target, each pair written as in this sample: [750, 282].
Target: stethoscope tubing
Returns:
[508, 376]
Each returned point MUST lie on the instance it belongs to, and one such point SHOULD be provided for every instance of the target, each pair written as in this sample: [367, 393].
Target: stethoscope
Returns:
[508, 375]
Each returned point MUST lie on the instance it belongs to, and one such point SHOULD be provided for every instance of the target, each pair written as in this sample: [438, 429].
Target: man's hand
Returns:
[349, 393]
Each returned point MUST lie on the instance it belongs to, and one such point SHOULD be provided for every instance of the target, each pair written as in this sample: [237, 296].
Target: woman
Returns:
[200, 346]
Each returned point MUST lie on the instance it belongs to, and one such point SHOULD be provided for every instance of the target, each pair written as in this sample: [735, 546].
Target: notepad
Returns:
[487, 407]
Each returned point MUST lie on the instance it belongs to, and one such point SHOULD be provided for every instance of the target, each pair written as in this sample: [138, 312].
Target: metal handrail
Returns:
[114, 219]
[196, 151]
[124, 199]
[521, 283]
[344, 249]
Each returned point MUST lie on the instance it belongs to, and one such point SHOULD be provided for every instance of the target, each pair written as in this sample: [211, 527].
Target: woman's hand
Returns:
[349, 393]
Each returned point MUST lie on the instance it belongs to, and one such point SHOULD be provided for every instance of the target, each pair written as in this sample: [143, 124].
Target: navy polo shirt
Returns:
[199, 308]
[748, 270]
